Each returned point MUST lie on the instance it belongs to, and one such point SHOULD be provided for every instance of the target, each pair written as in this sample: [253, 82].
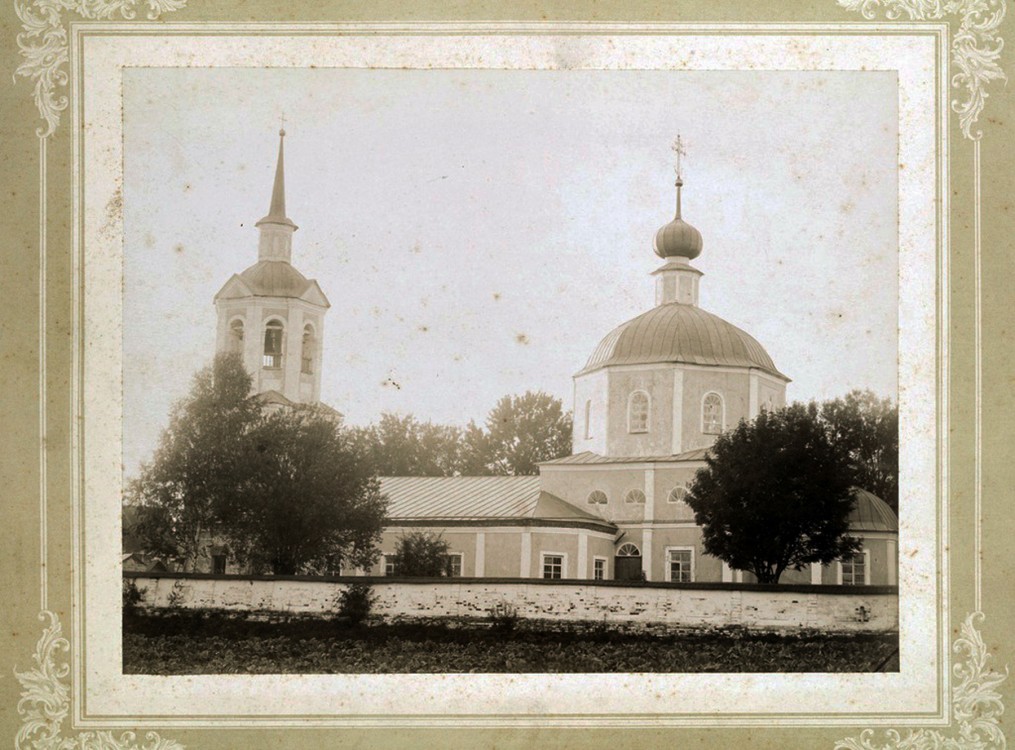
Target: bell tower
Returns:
[271, 313]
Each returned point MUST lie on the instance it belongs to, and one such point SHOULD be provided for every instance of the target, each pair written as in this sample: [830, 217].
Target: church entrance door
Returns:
[627, 564]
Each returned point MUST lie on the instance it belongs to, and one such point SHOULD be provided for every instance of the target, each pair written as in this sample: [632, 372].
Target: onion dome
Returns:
[678, 238]
[676, 333]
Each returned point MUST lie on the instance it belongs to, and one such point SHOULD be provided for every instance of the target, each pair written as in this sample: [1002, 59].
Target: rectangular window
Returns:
[453, 568]
[599, 569]
[680, 565]
[389, 564]
[553, 566]
[854, 570]
[218, 564]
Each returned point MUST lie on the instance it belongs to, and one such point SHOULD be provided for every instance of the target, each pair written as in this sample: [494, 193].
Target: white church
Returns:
[652, 397]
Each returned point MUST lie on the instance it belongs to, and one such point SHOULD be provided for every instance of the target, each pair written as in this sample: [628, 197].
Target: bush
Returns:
[355, 602]
[132, 595]
[504, 616]
[421, 554]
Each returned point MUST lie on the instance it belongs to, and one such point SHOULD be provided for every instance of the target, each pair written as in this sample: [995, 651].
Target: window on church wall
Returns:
[712, 414]
[680, 565]
[635, 496]
[236, 336]
[307, 357]
[597, 497]
[855, 570]
[638, 412]
[273, 333]
[588, 419]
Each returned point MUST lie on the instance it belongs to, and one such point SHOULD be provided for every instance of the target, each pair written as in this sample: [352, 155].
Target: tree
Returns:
[776, 494]
[402, 446]
[421, 553]
[521, 431]
[177, 496]
[868, 427]
[309, 496]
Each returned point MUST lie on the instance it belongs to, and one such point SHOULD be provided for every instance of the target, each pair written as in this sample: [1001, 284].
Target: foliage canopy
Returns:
[776, 494]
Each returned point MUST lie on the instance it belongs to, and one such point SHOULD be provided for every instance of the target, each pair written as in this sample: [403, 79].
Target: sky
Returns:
[477, 232]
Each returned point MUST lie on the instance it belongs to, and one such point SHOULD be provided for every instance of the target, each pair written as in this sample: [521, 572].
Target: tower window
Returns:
[637, 412]
[712, 414]
[236, 336]
[588, 419]
[273, 344]
[307, 358]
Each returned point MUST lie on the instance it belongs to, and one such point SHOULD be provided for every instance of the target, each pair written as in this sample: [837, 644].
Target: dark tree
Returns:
[174, 503]
[868, 427]
[421, 553]
[776, 494]
[309, 496]
[521, 431]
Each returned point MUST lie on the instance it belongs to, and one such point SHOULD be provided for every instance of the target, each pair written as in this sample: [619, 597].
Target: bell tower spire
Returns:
[276, 241]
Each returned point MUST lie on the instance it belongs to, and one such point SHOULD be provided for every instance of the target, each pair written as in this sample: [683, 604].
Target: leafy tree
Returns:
[521, 431]
[868, 427]
[403, 446]
[308, 496]
[421, 553]
[775, 494]
[176, 498]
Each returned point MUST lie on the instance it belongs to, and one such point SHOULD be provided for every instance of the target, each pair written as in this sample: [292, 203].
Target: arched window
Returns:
[597, 497]
[635, 496]
[628, 550]
[677, 494]
[588, 419]
[637, 412]
[273, 344]
[236, 336]
[711, 414]
[309, 347]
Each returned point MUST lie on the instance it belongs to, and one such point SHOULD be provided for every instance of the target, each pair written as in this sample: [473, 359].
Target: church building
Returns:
[652, 397]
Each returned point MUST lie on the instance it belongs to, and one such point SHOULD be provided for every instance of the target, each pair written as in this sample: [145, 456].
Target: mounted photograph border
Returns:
[973, 704]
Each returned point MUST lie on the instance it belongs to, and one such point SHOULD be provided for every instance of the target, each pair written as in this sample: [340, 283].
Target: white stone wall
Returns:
[769, 609]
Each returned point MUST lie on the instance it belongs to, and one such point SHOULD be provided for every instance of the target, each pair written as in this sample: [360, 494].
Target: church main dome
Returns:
[678, 333]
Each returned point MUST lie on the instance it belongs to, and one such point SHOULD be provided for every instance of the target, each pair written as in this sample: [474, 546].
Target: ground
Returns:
[203, 643]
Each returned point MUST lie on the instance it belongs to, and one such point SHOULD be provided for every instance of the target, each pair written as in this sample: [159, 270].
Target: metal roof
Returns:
[680, 333]
[461, 497]
[275, 278]
[587, 457]
[871, 513]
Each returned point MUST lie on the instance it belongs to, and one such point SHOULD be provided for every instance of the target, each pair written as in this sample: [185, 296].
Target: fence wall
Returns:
[852, 608]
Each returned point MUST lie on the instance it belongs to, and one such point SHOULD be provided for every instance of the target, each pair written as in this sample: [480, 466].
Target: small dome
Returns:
[871, 513]
[275, 278]
[680, 334]
[678, 238]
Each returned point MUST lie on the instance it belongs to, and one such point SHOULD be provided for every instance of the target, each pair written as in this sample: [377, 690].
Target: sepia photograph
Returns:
[510, 371]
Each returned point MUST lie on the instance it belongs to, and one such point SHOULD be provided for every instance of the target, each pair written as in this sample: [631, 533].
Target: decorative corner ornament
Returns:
[976, 705]
[45, 703]
[43, 44]
[976, 45]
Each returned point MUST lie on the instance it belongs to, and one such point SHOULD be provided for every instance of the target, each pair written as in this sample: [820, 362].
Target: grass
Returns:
[187, 643]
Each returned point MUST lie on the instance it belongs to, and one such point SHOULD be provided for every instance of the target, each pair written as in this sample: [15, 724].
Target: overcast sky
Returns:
[478, 232]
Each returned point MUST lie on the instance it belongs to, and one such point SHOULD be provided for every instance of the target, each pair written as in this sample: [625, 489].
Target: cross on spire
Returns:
[679, 150]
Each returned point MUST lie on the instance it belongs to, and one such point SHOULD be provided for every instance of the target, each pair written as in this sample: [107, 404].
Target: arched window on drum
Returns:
[712, 415]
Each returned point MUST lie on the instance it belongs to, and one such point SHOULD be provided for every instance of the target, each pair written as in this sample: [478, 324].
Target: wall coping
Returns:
[787, 588]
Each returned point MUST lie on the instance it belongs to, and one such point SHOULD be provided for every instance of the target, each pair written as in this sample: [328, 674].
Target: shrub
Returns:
[355, 602]
[132, 595]
[175, 598]
[504, 616]
[421, 554]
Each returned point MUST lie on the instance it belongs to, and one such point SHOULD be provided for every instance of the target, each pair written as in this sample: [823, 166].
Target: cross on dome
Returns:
[679, 150]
